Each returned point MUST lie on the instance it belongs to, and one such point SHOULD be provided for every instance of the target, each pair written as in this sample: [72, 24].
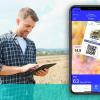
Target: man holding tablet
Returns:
[18, 53]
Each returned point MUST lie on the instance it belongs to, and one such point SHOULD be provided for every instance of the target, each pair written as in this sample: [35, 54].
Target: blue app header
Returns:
[85, 15]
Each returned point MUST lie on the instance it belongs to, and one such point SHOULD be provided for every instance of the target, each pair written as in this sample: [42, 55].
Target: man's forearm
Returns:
[10, 70]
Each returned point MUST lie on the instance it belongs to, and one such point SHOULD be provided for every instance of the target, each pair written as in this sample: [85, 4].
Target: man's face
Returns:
[25, 26]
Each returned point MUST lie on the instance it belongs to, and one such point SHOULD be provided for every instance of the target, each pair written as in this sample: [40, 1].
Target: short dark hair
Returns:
[25, 12]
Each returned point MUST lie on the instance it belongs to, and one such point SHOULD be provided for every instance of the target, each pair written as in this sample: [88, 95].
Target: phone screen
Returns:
[85, 47]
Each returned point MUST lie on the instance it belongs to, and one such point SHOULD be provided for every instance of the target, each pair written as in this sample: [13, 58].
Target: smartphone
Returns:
[84, 47]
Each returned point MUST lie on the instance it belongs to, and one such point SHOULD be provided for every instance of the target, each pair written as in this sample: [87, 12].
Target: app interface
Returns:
[85, 50]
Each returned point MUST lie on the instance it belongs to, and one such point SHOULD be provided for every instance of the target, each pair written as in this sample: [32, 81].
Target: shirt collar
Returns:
[13, 35]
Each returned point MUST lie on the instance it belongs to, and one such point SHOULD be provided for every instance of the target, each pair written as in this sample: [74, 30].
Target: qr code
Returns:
[91, 49]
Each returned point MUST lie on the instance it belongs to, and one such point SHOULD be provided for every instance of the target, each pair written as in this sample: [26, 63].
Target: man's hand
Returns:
[28, 67]
[42, 72]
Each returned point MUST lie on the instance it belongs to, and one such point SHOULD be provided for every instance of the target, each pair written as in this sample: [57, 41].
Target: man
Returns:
[18, 53]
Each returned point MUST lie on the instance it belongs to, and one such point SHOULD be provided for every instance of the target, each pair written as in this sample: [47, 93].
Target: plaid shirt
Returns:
[11, 55]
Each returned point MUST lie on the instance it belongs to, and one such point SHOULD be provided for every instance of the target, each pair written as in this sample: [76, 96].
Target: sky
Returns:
[52, 29]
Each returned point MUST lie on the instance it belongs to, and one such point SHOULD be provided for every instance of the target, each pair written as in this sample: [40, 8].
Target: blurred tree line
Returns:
[46, 52]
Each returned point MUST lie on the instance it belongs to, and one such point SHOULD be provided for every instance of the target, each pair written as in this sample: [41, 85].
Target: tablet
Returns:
[36, 69]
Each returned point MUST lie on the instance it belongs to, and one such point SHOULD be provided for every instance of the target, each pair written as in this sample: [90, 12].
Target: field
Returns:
[57, 74]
